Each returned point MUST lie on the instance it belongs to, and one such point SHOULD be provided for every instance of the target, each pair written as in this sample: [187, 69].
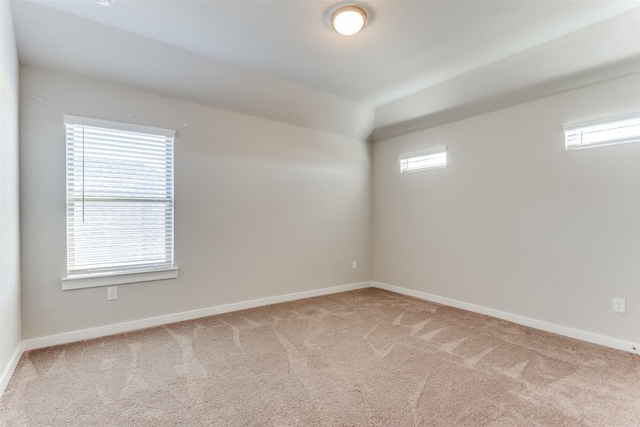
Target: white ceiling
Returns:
[408, 47]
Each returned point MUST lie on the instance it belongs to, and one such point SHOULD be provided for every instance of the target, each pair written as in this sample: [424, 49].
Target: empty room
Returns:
[319, 213]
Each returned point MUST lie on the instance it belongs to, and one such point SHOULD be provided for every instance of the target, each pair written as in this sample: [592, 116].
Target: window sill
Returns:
[86, 281]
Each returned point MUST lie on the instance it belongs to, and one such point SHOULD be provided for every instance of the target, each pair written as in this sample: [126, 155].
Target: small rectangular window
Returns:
[615, 130]
[119, 198]
[421, 160]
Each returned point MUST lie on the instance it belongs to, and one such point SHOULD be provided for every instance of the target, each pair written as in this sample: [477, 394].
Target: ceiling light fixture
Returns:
[349, 20]
[104, 2]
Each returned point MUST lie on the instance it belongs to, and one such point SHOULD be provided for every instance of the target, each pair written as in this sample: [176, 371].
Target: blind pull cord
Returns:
[83, 174]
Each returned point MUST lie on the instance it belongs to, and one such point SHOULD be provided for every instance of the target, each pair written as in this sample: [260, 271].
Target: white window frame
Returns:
[85, 278]
[417, 161]
[598, 133]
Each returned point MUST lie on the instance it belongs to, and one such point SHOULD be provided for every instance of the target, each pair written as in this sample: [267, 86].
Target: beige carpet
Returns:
[361, 358]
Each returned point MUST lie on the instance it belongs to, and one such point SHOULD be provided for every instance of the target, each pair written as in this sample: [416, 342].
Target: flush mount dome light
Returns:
[104, 2]
[349, 20]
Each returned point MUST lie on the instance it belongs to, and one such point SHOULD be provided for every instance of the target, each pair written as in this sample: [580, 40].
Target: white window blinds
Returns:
[427, 159]
[119, 197]
[615, 130]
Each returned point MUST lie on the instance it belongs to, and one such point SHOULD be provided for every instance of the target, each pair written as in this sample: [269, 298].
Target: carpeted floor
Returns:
[361, 358]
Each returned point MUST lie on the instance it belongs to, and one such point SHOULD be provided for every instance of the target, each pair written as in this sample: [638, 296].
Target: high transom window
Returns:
[421, 160]
[609, 131]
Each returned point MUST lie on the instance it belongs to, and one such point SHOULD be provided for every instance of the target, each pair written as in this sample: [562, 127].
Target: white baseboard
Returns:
[515, 318]
[11, 367]
[102, 331]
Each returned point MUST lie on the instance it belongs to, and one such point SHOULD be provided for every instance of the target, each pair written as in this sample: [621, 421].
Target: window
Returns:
[427, 159]
[616, 130]
[119, 203]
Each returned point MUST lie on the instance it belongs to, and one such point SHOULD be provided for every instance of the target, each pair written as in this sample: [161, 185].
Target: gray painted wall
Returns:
[262, 208]
[515, 222]
[9, 198]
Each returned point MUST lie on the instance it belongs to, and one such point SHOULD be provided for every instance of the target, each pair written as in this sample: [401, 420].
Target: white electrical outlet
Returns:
[112, 293]
[619, 305]
[354, 265]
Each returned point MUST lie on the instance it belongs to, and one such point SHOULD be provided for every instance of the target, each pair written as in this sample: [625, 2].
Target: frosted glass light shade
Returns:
[349, 20]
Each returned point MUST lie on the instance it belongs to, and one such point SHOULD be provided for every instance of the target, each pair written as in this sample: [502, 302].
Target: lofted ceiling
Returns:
[416, 64]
